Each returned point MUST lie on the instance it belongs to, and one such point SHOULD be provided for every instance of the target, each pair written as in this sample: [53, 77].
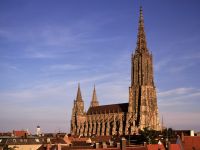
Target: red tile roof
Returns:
[155, 147]
[137, 148]
[20, 133]
[175, 147]
[191, 142]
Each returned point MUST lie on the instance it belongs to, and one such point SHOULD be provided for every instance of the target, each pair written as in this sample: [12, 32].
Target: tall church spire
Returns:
[77, 112]
[79, 97]
[142, 93]
[142, 66]
[94, 101]
[141, 37]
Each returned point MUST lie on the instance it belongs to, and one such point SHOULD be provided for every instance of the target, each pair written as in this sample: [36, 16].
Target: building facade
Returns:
[125, 118]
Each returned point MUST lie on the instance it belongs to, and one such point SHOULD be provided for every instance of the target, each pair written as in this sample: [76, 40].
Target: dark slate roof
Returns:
[113, 108]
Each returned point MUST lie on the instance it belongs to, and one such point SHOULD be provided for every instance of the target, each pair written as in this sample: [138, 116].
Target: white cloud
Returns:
[179, 97]
[64, 67]
[160, 64]
[39, 54]
[180, 108]
[45, 104]
[175, 92]
[91, 79]
[180, 68]
[9, 66]
[192, 55]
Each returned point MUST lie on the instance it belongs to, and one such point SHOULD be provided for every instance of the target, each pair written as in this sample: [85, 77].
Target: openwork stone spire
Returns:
[79, 97]
[142, 66]
[141, 37]
[94, 101]
[142, 92]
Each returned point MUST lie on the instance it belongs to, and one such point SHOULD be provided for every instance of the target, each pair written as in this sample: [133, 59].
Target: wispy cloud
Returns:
[48, 90]
[92, 79]
[32, 94]
[180, 107]
[179, 96]
[181, 67]
[9, 66]
[37, 53]
[5, 33]
[50, 101]
[179, 100]
[192, 55]
[177, 91]
[60, 67]
[161, 64]
[37, 105]
[50, 41]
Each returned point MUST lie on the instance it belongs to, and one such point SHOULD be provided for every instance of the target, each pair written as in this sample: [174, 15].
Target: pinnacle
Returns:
[141, 14]
[79, 97]
[94, 96]
[141, 37]
[94, 101]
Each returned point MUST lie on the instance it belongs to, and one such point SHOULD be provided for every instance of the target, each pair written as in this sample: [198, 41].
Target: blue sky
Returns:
[47, 47]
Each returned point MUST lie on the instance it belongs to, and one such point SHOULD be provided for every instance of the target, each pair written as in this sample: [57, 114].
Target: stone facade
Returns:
[127, 118]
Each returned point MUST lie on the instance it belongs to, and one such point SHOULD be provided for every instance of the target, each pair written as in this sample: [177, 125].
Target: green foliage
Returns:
[149, 135]
[168, 133]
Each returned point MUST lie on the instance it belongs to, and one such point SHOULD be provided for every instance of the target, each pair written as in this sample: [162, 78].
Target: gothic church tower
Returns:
[122, 118]
[78, 114]
[142, 92]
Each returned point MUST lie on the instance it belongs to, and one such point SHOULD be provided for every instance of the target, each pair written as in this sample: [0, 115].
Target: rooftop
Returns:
[105, 109]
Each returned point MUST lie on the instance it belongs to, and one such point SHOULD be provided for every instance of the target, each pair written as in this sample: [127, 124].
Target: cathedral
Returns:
[123, 118]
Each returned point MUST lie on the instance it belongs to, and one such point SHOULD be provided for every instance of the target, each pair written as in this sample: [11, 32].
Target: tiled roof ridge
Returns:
[112, 108]
[111, 104]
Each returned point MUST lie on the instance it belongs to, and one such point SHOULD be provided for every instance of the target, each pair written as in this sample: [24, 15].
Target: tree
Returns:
[149, 135]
